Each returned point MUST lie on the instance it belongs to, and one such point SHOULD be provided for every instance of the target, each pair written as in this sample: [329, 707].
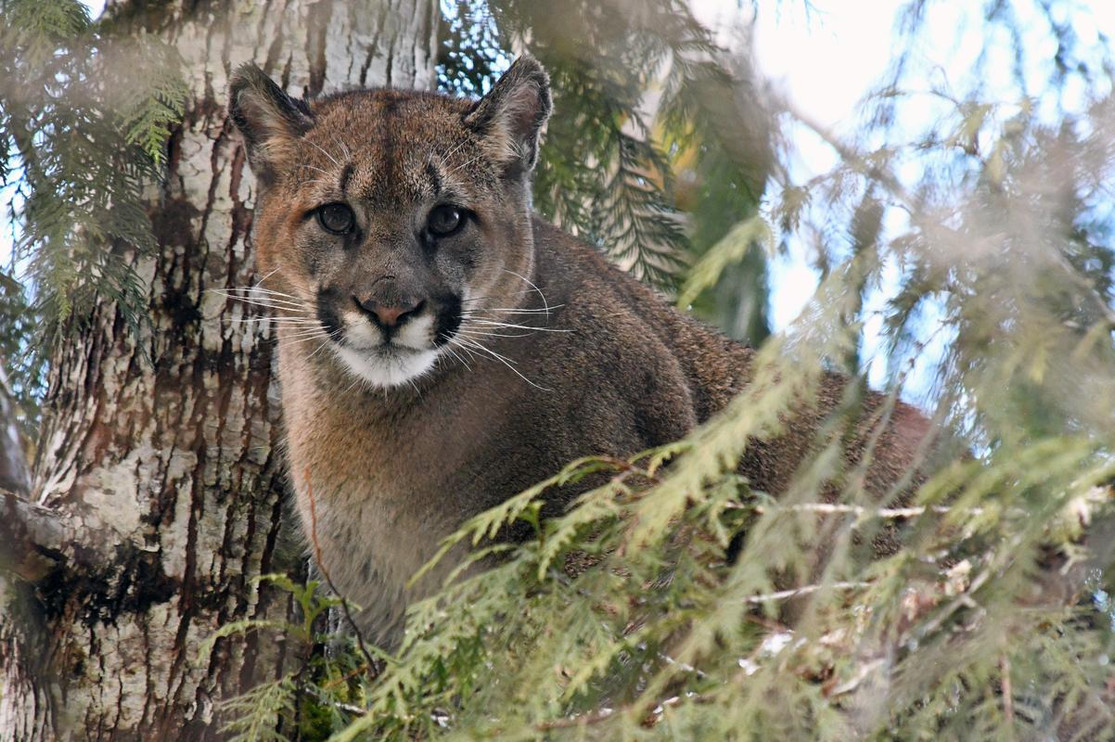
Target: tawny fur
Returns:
[611, 369]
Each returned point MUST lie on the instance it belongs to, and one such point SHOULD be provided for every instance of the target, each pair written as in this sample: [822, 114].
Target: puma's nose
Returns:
[390, 313]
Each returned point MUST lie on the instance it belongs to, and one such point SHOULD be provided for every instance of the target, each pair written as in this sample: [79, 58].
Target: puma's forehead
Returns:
[386, 143]
[383, 146]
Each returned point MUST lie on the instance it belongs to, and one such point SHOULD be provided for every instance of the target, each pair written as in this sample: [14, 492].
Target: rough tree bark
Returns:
[158, 493]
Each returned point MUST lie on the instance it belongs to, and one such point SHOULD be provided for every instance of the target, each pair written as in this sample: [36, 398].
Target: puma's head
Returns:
[384, 217]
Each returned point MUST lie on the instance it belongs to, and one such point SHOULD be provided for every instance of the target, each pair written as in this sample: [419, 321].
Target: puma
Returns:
[441, 349]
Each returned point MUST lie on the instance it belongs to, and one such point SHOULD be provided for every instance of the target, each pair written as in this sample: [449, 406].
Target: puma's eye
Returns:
[444, 221]
[336, 218]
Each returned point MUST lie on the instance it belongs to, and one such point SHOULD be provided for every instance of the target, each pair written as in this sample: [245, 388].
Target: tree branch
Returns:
[32, 538]
[36, 541]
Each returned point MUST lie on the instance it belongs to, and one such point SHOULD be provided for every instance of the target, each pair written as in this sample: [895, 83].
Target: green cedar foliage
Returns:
[716, 127]
[86, 121]
[658, 148]
[604, 172]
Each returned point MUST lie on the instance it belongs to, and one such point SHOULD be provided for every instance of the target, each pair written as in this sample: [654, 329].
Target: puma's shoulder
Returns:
[715, 366]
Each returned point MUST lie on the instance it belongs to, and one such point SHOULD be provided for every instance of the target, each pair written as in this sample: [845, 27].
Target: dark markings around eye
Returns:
[346, 175]
[327, 300]
[435, 178]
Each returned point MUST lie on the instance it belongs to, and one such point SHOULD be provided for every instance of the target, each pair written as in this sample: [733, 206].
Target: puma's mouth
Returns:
[385, 348]
[387, 365]
[384, 357]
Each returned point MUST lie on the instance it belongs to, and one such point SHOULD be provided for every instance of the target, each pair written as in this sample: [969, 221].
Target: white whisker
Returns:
[299, 328]
[270, 273]
[291, 331]
[513, 326]
[322, 150]
[355, 381]
[251, 290]
[508, 310]
[281, 319]
[343, 146]
[259, 298]
[273, 304]
[461, 145]
[482, 298]
[505, 361]
[258, 295]
[278, 319]
[456, 355]
[296, 341]
[530, 283]
[464, 165]
[328, 338]
[481, 347]
[484, 333]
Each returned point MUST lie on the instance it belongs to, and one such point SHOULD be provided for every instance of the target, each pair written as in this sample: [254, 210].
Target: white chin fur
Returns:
[383, 370]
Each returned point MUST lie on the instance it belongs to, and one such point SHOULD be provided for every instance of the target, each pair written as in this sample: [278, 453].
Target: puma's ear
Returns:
[511, 115]
[270, 121]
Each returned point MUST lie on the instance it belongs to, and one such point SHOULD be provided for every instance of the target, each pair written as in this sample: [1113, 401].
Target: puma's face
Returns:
[387, 218]
[384, 228]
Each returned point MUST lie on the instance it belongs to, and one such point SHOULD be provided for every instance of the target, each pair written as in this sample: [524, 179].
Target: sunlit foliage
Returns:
[673, 601]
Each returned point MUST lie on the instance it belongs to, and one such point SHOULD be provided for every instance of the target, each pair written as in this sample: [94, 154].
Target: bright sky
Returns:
[825, 58]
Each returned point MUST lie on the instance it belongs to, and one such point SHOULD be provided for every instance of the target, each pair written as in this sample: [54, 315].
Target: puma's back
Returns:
[440, 348]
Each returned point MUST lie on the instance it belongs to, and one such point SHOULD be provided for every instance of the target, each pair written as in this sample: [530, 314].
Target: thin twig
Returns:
[806, 590]
[576, 721]
[857, 510]
[1008, 691]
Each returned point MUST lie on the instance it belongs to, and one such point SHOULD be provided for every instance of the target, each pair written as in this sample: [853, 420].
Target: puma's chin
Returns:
[387, 366]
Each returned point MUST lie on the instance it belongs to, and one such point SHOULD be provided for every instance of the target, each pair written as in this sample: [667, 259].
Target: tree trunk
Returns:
[158, 490]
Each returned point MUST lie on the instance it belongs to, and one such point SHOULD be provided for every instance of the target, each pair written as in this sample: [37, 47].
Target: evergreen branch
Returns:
[254, 716]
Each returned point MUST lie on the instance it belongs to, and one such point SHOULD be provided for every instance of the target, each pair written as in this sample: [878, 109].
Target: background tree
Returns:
[13, 464]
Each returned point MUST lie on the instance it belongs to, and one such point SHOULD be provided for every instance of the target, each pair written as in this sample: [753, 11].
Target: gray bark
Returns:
[158, 493]
[14, 476]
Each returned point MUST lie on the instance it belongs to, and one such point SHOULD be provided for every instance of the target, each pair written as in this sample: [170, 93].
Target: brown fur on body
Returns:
[393, 465]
